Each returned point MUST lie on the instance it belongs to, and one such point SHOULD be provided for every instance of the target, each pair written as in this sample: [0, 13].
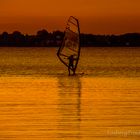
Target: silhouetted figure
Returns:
[71, 64]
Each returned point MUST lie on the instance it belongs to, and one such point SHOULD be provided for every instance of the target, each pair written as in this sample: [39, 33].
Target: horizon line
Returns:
[87, 33]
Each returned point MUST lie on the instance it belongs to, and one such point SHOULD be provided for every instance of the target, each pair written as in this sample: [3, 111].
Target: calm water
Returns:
[39, 101]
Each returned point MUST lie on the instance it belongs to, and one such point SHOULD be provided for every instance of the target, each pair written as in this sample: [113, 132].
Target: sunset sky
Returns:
[95, 16]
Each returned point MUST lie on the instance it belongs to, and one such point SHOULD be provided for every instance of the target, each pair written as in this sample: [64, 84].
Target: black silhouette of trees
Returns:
[45, 39]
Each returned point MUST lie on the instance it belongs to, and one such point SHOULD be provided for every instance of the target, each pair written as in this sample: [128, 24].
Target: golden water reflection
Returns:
[28, 108]
[78, 108]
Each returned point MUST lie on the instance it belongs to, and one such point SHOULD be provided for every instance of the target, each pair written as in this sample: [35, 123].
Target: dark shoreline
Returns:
[45, 39]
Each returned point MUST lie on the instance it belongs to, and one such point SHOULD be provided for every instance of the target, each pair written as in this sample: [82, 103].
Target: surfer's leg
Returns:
[73, 72]
[69, 70]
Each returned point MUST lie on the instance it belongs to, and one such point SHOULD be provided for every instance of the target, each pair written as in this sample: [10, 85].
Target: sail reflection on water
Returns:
[69, 106]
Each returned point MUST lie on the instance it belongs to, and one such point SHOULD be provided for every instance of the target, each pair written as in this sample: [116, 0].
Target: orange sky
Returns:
[96, 16]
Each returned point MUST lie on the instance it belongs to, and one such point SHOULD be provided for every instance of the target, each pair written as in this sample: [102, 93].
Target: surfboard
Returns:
[71, 43]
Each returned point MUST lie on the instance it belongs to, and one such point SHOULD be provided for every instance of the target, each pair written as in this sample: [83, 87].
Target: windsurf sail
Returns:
[71, 44]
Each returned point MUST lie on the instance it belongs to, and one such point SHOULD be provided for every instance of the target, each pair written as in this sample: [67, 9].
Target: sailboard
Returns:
[71, 43]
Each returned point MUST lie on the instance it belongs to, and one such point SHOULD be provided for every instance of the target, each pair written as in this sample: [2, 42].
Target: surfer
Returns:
[71, 65]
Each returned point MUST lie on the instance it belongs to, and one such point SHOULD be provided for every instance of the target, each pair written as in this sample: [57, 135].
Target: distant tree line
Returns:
[45, 39]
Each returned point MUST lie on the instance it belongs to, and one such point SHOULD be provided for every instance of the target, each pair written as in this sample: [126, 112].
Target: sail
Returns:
[71, 43]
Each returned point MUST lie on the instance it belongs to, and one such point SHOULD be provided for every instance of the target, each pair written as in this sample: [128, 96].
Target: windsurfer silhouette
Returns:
[70, 48]
[71, 64]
